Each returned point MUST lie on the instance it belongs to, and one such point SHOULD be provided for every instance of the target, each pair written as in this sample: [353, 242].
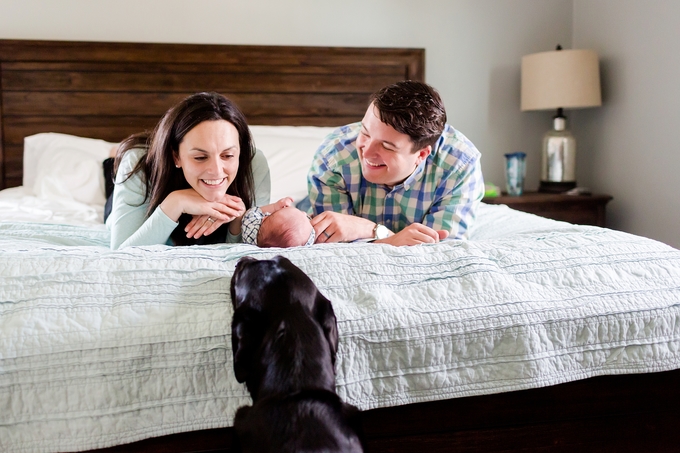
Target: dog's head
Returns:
[284, 332]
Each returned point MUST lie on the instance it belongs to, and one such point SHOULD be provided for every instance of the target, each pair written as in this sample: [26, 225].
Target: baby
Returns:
[277, 224]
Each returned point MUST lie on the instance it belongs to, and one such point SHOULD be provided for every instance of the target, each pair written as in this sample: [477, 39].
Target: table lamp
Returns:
[560, 79]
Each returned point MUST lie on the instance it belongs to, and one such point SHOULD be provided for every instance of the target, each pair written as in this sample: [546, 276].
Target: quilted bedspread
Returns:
[102, 347]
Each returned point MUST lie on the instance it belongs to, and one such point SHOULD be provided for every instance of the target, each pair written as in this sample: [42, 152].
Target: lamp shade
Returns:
[560, 79]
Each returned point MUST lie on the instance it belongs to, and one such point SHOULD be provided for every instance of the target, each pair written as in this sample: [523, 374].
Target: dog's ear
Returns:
[246, 335]
[325, 316]
[236, 290]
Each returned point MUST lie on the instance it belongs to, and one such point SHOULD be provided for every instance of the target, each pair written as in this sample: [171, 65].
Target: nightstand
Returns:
[581, 209]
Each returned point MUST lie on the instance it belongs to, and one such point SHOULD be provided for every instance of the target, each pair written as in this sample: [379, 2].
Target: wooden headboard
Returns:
[110, 90]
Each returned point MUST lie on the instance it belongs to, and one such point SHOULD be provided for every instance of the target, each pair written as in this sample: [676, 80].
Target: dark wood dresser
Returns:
[580, 209]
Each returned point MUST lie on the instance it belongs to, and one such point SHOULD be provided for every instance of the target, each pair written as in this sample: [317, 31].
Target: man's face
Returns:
[386, 155]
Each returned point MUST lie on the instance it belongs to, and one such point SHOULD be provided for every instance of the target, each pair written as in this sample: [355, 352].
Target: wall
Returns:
[629, 147]
[473, 48]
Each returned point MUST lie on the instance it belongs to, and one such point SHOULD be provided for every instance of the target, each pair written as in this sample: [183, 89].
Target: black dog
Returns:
[284, 340]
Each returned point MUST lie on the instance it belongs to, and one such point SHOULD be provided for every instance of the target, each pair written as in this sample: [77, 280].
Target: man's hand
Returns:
[415, 234]
[335, 227]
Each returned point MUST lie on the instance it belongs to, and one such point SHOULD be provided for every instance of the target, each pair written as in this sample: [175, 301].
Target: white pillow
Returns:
[66, 167]
[289, 151]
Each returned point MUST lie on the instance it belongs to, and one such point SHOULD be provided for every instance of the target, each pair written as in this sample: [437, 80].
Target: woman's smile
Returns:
[213, 182]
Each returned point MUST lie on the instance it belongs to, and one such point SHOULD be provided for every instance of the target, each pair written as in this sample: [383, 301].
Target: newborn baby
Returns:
[278, 224]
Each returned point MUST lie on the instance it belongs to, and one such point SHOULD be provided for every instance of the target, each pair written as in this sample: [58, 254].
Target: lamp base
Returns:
[556, 187]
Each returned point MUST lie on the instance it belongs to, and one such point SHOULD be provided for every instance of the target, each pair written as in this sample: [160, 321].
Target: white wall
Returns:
[629, 147]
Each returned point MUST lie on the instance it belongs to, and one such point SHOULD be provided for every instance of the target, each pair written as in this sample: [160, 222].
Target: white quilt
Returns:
[101, 347]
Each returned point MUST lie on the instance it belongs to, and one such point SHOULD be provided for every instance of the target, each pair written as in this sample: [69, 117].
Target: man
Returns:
[402, 176]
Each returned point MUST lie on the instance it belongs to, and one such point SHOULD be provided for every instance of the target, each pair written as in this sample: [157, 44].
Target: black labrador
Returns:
[284, 340]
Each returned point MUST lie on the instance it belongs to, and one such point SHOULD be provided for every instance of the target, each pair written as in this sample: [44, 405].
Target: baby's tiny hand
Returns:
[283, 203]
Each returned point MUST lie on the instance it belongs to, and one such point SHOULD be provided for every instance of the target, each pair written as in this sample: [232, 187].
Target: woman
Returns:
[191, 180]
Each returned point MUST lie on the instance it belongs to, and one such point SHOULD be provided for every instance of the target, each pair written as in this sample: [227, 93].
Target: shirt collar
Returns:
[416, 176]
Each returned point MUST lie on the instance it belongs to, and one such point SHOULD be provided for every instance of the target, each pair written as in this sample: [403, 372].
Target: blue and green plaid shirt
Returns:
[442, 193]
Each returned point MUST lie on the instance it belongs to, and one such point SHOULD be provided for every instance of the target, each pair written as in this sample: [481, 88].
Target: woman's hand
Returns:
[202, 225]
[188, 201]
[231, 208]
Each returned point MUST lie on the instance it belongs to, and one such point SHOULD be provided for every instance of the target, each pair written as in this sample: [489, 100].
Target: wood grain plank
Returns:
[14, 154]
[13, 165]
[28, 50]
[110, 128]
[13, 181]
[149, 104]
[326, 120]
[224, 82]
[31, 103]
[358, 68]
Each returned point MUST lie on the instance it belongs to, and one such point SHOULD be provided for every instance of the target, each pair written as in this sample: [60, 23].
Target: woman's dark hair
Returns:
[412, 108]
[158, 166]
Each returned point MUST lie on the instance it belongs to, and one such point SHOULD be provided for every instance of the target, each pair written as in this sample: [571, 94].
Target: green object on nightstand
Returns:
[491, 190]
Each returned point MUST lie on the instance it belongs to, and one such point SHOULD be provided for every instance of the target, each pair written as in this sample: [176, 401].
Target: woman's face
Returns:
[209, 156]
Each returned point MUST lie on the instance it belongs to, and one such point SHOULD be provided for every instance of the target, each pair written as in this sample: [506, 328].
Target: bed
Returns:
[533, 335]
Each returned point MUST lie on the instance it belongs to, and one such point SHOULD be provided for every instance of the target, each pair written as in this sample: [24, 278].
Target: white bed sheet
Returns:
[21, 204]
[102, 347]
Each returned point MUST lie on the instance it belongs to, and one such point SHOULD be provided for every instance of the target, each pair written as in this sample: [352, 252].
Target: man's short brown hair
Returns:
[412, 108]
